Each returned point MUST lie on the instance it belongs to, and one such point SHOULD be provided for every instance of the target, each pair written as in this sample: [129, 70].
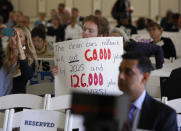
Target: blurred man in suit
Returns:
[152, 115]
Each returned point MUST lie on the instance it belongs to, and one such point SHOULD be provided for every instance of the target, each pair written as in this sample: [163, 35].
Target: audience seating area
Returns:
[57, 106]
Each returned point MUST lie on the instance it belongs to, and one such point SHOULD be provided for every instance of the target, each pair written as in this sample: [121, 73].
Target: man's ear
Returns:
[146, 77]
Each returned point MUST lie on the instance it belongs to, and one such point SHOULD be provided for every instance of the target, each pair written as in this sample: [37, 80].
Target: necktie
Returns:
[128, 124]
[131, 115]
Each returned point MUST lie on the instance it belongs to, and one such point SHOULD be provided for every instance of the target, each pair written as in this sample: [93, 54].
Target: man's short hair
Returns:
[75, 9]
[62, 5]
[98, 12]
[154, 24]
[101, 22]
[144, 63]
[39, 31]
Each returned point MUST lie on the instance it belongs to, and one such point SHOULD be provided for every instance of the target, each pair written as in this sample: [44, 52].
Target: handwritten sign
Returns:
[89, 64]
[39, 120]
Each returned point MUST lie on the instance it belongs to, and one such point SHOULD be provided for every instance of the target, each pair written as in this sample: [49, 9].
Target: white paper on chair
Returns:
[89, 64]
[41, 120]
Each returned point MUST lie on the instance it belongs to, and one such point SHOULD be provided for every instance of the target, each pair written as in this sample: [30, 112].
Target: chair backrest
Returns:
[175, 104]
[76, 122]
[23, 101]
[58, 103]
[36, 120]
[4, 120]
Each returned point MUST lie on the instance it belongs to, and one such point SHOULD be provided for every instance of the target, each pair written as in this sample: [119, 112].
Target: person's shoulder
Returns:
[165, 39]
[160, 107]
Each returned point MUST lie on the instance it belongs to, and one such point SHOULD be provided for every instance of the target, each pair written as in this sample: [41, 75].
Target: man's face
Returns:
[38, 43]
[130, 78]
[90, 29]
[24, 21]
[74, 13]
[60, 9]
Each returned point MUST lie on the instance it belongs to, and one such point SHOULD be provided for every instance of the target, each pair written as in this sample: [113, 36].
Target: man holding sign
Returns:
[92, 27]
[88, 63]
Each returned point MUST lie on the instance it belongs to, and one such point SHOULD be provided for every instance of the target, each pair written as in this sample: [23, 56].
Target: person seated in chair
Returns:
[41, 45]
[144, 48]
[167, 45]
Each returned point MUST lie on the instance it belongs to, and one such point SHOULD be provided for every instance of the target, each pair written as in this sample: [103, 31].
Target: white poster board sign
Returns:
[89, 64]
[41, 120]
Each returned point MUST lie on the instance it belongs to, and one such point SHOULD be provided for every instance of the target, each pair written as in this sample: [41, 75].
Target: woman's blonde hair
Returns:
[30, 52]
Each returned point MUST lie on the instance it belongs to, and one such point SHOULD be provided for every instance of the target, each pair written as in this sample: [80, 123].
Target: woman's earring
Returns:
[24, 47]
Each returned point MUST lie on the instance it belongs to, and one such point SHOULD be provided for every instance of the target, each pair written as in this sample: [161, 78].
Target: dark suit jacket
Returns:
[171, 87]
[168, 48]
[148, 50]
[157, 116]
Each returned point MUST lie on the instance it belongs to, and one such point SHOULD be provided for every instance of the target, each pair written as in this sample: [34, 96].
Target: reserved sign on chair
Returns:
[42, 120]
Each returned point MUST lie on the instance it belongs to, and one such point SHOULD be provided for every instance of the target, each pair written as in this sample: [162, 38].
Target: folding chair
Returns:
[60, 103]
[16, 119]
[19, 101]
[175, 104]
[4, 120]
[23, 101]
[153, 87]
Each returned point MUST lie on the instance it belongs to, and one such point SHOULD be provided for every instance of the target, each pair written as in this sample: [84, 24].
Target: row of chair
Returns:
[10, 119]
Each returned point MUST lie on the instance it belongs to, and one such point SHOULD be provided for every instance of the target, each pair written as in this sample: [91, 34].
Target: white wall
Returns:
[147, 8]
[169, 4]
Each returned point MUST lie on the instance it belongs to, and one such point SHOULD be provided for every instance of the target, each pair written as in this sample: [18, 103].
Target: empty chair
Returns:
[61, 103]
[30, 119]
[4, 120]
[23, 101]
[58, 102]
[18, 101]
[175, 104]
